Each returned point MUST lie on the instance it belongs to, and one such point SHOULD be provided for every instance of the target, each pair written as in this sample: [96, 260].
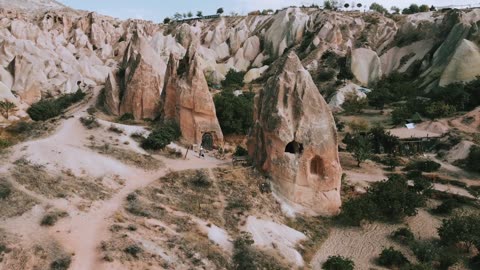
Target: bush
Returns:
[392, 258]
[126, 117]
[234, 113]
[201, 180]
[425, 251]
[423, 165]
[240, 151]
[115, 129]
[243, 256]
[403, 236]
[446, 207]
[465, 229]
[233, 79]
[4, 143]
[5, 190]
[61, 263]
[50, 108]
[439, 109]
[162, 136]
[338, 263]
[326, 75]
[51, 218]
[473, 160]
[360, 147]
[389, 200]
[90, 122]
[133, 250]
[354, 104]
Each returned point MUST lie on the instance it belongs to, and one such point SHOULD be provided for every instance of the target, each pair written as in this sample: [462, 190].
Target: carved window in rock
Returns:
[294, 148]
[317, 166]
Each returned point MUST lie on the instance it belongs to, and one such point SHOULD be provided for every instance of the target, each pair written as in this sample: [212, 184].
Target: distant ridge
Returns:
[31, 4]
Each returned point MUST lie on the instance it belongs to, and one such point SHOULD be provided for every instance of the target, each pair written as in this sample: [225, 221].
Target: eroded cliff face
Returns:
[294, 140]
[187, 99]
[51, 50]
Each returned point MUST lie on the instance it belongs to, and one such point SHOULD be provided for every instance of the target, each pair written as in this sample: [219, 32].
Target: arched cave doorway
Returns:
[207, 141]
[294, 147]
[317, 166]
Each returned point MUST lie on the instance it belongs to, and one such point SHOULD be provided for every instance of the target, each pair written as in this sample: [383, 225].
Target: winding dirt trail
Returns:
[82, 232]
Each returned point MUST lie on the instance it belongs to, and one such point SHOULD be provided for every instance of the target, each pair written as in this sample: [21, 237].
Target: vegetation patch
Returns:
[338, 263]
[162, 136]
[50, 108]
[12, 201]
[392, 258]
[50, 218]
[316, 229]
[35, 178]
[388, 201]
[234, 113]
[129, 157]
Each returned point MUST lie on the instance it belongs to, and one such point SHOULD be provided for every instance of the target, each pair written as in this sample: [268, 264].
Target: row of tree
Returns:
[412, 9]
[179, 16]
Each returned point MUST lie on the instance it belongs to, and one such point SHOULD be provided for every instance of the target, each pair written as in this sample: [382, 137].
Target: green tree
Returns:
[189, 14]
[162, 136]
[439, 109]
[395, 10]
[177, 16]
[167, 20]
[360, 147]
[233, 79]
[199, 14]
[378, 8]
[330, 4]
[392, 258]
[234, 113]
[338, 263]
[7, 107]
[461, 229]
[424, 8]
[220, 11]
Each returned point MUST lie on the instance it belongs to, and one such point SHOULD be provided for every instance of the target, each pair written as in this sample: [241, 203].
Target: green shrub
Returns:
[133, 250]
[392, 258]
[338, 263]
[50, 108]
[360, 146]
[425, 251]
[5, 189]
[90, 122]
[439, 109]
[162, 136]
[201, 180]
[4, 143]
[423, 165]
[446, 207]
[51, 218]
[233, 79]
[390, 200]
[472, 162]
[465, 229]
[403, 236]
[61, 263]
[126, 117]
[234, 113]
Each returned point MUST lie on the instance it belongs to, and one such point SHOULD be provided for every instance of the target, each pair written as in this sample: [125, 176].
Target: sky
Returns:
[157, 10]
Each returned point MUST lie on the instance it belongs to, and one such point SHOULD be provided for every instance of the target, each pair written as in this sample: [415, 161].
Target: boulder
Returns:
[294, 140]
[188, 101]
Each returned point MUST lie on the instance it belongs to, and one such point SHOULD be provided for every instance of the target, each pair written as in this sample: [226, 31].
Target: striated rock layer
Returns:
[295, 140]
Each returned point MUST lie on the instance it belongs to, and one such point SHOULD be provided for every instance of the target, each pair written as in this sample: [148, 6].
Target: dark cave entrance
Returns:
[294, 148]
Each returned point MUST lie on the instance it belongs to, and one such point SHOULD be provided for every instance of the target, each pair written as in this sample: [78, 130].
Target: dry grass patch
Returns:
[240, 187]
[12, 201]
[189, 191]
[35, 178]
[316, 229]
[129, 157]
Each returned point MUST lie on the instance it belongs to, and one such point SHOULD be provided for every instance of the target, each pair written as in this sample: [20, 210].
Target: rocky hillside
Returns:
[45, 53]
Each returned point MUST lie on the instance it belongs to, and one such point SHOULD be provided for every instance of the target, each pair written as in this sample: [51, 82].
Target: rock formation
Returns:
[295, 140]
[187, 99]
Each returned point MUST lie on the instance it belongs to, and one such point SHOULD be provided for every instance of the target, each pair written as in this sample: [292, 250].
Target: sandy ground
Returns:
[362, 244]
[66, 150]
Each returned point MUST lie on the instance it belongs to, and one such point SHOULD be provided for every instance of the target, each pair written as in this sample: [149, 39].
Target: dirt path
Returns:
[82, 232]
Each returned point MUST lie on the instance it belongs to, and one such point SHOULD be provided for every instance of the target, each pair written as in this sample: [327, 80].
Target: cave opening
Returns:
[317, 166]
[294, 147]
